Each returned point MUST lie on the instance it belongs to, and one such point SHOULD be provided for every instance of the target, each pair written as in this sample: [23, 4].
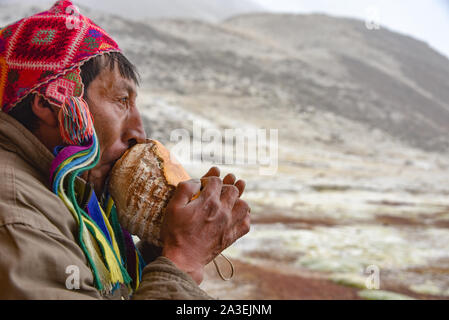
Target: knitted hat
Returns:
[43, 54]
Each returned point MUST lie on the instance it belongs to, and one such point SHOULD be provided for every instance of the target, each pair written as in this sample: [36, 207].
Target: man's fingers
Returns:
[211, 188]
[240, 211]
[240, 229]
[229, 195]
[244, 227]
[184, 192]
[229, 179]
[213, 172]
[241, 184]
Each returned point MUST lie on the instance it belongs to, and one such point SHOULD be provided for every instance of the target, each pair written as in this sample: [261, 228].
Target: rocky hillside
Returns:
[380, 79]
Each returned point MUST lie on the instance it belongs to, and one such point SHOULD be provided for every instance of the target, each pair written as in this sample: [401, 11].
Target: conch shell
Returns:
[142, 182]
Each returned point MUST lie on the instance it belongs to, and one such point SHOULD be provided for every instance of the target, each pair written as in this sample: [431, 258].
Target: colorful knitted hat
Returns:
[43, 54]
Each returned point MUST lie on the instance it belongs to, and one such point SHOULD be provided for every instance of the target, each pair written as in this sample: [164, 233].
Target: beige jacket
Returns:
[38, 248]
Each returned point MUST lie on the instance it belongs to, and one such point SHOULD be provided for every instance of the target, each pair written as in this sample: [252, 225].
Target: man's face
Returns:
[112, 102]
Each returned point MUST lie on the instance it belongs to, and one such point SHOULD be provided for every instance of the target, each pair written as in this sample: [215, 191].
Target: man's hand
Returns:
[194, 232]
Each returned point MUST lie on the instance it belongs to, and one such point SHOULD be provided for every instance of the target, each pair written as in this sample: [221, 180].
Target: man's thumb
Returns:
[185, 191]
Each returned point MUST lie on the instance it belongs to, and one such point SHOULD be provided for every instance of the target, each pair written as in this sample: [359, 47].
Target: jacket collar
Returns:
[14, 137]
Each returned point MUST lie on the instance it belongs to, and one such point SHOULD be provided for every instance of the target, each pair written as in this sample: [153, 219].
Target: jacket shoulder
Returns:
[25, 198]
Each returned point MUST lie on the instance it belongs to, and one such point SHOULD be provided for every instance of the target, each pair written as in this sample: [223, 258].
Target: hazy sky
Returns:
[427, 20]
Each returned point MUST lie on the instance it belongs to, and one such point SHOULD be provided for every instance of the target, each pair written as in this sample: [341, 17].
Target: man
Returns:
[41, 255]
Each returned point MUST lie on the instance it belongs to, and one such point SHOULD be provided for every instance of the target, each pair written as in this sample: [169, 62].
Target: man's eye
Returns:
[124, 100]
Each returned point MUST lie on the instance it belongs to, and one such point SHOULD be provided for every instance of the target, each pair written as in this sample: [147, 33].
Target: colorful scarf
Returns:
[108, 248]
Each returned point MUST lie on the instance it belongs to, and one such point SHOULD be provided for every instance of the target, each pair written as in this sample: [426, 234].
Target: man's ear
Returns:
[45, 112]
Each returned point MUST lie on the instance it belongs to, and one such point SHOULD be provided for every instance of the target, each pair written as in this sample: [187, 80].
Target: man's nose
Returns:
[135, 132]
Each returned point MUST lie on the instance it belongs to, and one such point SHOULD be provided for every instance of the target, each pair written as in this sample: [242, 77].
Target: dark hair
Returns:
[22, 112]
[92, 68]
[89, 71]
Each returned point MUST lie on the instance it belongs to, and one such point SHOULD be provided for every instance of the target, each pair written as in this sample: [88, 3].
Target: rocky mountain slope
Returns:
[378, 78]
[385, 79]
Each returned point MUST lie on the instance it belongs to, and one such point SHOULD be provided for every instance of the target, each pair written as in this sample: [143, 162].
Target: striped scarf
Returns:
[109, 249]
